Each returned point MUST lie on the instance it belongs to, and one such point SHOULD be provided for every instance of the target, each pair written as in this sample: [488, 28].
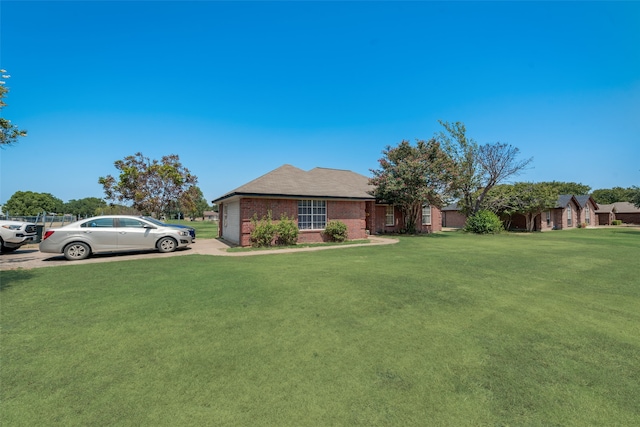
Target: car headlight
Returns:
[184, 233]
[12, 227]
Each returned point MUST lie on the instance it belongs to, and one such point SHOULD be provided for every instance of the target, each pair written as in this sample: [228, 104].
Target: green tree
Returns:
[410, 176]
[531, 199]
[9, 133]
[193, 202]
[479, 167]
[85, 207]
[573, 188]
[151, 186]
[635, 196]
[607, 196]
[114, 209]
[30, 203]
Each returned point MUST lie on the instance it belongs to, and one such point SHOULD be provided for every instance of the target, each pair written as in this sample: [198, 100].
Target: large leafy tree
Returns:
[88, 206]
[411, 176]
[151, 186]
[606, 196]
[193, 202]
[531, 199]
[31, 203]
[526, 198]
[9, 133]
[479, 167]
[573, 188]
[635, 196]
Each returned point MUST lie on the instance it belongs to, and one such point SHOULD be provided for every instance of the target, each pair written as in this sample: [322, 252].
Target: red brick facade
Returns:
[352, 213]
[377, 222]
[361, 218]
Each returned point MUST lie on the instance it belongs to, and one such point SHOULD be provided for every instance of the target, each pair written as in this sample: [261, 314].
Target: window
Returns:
[569, 216]
[587, 218]
[130, 223]
[99, 222]
[548, 218]
[312, 214]
[426, 215]
[389, 219]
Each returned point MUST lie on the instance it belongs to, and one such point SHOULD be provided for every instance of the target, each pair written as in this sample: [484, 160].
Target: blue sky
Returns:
[237, 89]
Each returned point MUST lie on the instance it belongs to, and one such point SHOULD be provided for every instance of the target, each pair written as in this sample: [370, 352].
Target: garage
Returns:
[231, 222]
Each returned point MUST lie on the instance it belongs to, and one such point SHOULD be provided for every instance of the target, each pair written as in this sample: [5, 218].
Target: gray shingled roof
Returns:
[563, 200]
[605, 208]
[626, 207]
[289, 181]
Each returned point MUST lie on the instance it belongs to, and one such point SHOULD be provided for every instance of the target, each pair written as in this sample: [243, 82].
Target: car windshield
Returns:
[153, 220]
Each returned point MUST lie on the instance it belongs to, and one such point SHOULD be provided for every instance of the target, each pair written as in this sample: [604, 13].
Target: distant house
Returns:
[312, 198]
[570, 211]
[210, 215]
[452, 217]
[626, 212]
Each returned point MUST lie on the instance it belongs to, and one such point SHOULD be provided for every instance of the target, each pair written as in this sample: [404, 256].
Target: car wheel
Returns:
[76, 251]
[167, 244]
[4, 249]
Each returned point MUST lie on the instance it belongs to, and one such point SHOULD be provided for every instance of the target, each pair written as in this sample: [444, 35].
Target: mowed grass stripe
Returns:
[447, 329]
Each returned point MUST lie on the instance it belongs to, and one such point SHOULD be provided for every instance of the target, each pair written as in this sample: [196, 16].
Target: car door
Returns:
[135, 234]
[100, 233]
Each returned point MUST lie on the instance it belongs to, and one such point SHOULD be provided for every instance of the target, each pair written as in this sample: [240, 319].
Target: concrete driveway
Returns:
[30, 257]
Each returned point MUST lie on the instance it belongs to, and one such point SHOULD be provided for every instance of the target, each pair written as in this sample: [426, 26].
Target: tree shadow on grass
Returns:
[10, 277]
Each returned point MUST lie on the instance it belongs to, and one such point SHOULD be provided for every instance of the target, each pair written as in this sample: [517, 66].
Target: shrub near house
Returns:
[311, 199]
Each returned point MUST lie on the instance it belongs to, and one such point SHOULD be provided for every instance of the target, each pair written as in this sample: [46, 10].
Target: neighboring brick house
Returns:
[587, 213]
[452, 217]
[210, 215]
[312, 198]
[626, 212]
[569, 212]
[606, 214]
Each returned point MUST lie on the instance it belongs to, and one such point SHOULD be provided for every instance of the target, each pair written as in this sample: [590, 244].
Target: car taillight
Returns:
[47, 234]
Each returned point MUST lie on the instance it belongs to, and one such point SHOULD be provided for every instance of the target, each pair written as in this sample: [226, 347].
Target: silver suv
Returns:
[14, 234]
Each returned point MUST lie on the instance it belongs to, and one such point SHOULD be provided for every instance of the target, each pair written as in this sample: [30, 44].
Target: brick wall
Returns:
[455, 219]
[380, 218]
[352, 213]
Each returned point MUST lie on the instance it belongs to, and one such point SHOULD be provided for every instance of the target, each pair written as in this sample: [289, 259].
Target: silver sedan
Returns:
[112, 233]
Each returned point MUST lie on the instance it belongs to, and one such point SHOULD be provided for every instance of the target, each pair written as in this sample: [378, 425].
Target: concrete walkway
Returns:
[30, 257]
[219, 247]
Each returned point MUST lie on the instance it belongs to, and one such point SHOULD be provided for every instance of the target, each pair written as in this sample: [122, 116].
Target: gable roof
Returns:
[625, 207]
[584, 199]
[289, 181]
[564, 199]
[606, 208]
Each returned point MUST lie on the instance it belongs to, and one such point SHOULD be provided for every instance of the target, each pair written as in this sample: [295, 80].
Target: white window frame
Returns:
[587, 218]
[312, 214]
[548, 218]
[426, 213]
[569, 216]
[389, 216]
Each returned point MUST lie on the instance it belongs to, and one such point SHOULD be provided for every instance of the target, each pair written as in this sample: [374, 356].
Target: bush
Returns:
[336, 231]
[484, 222]
[263, 231]
[287, 231]
[616, 222]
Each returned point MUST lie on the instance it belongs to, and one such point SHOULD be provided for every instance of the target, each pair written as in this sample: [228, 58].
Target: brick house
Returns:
[452, 217]
[626, 212]
[569, 212]
[312, 198]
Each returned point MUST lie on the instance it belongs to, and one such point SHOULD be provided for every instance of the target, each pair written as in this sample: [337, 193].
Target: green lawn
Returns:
[449, 329]
[204, 229]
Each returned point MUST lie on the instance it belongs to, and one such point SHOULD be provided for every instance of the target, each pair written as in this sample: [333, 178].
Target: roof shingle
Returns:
[289, 181]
